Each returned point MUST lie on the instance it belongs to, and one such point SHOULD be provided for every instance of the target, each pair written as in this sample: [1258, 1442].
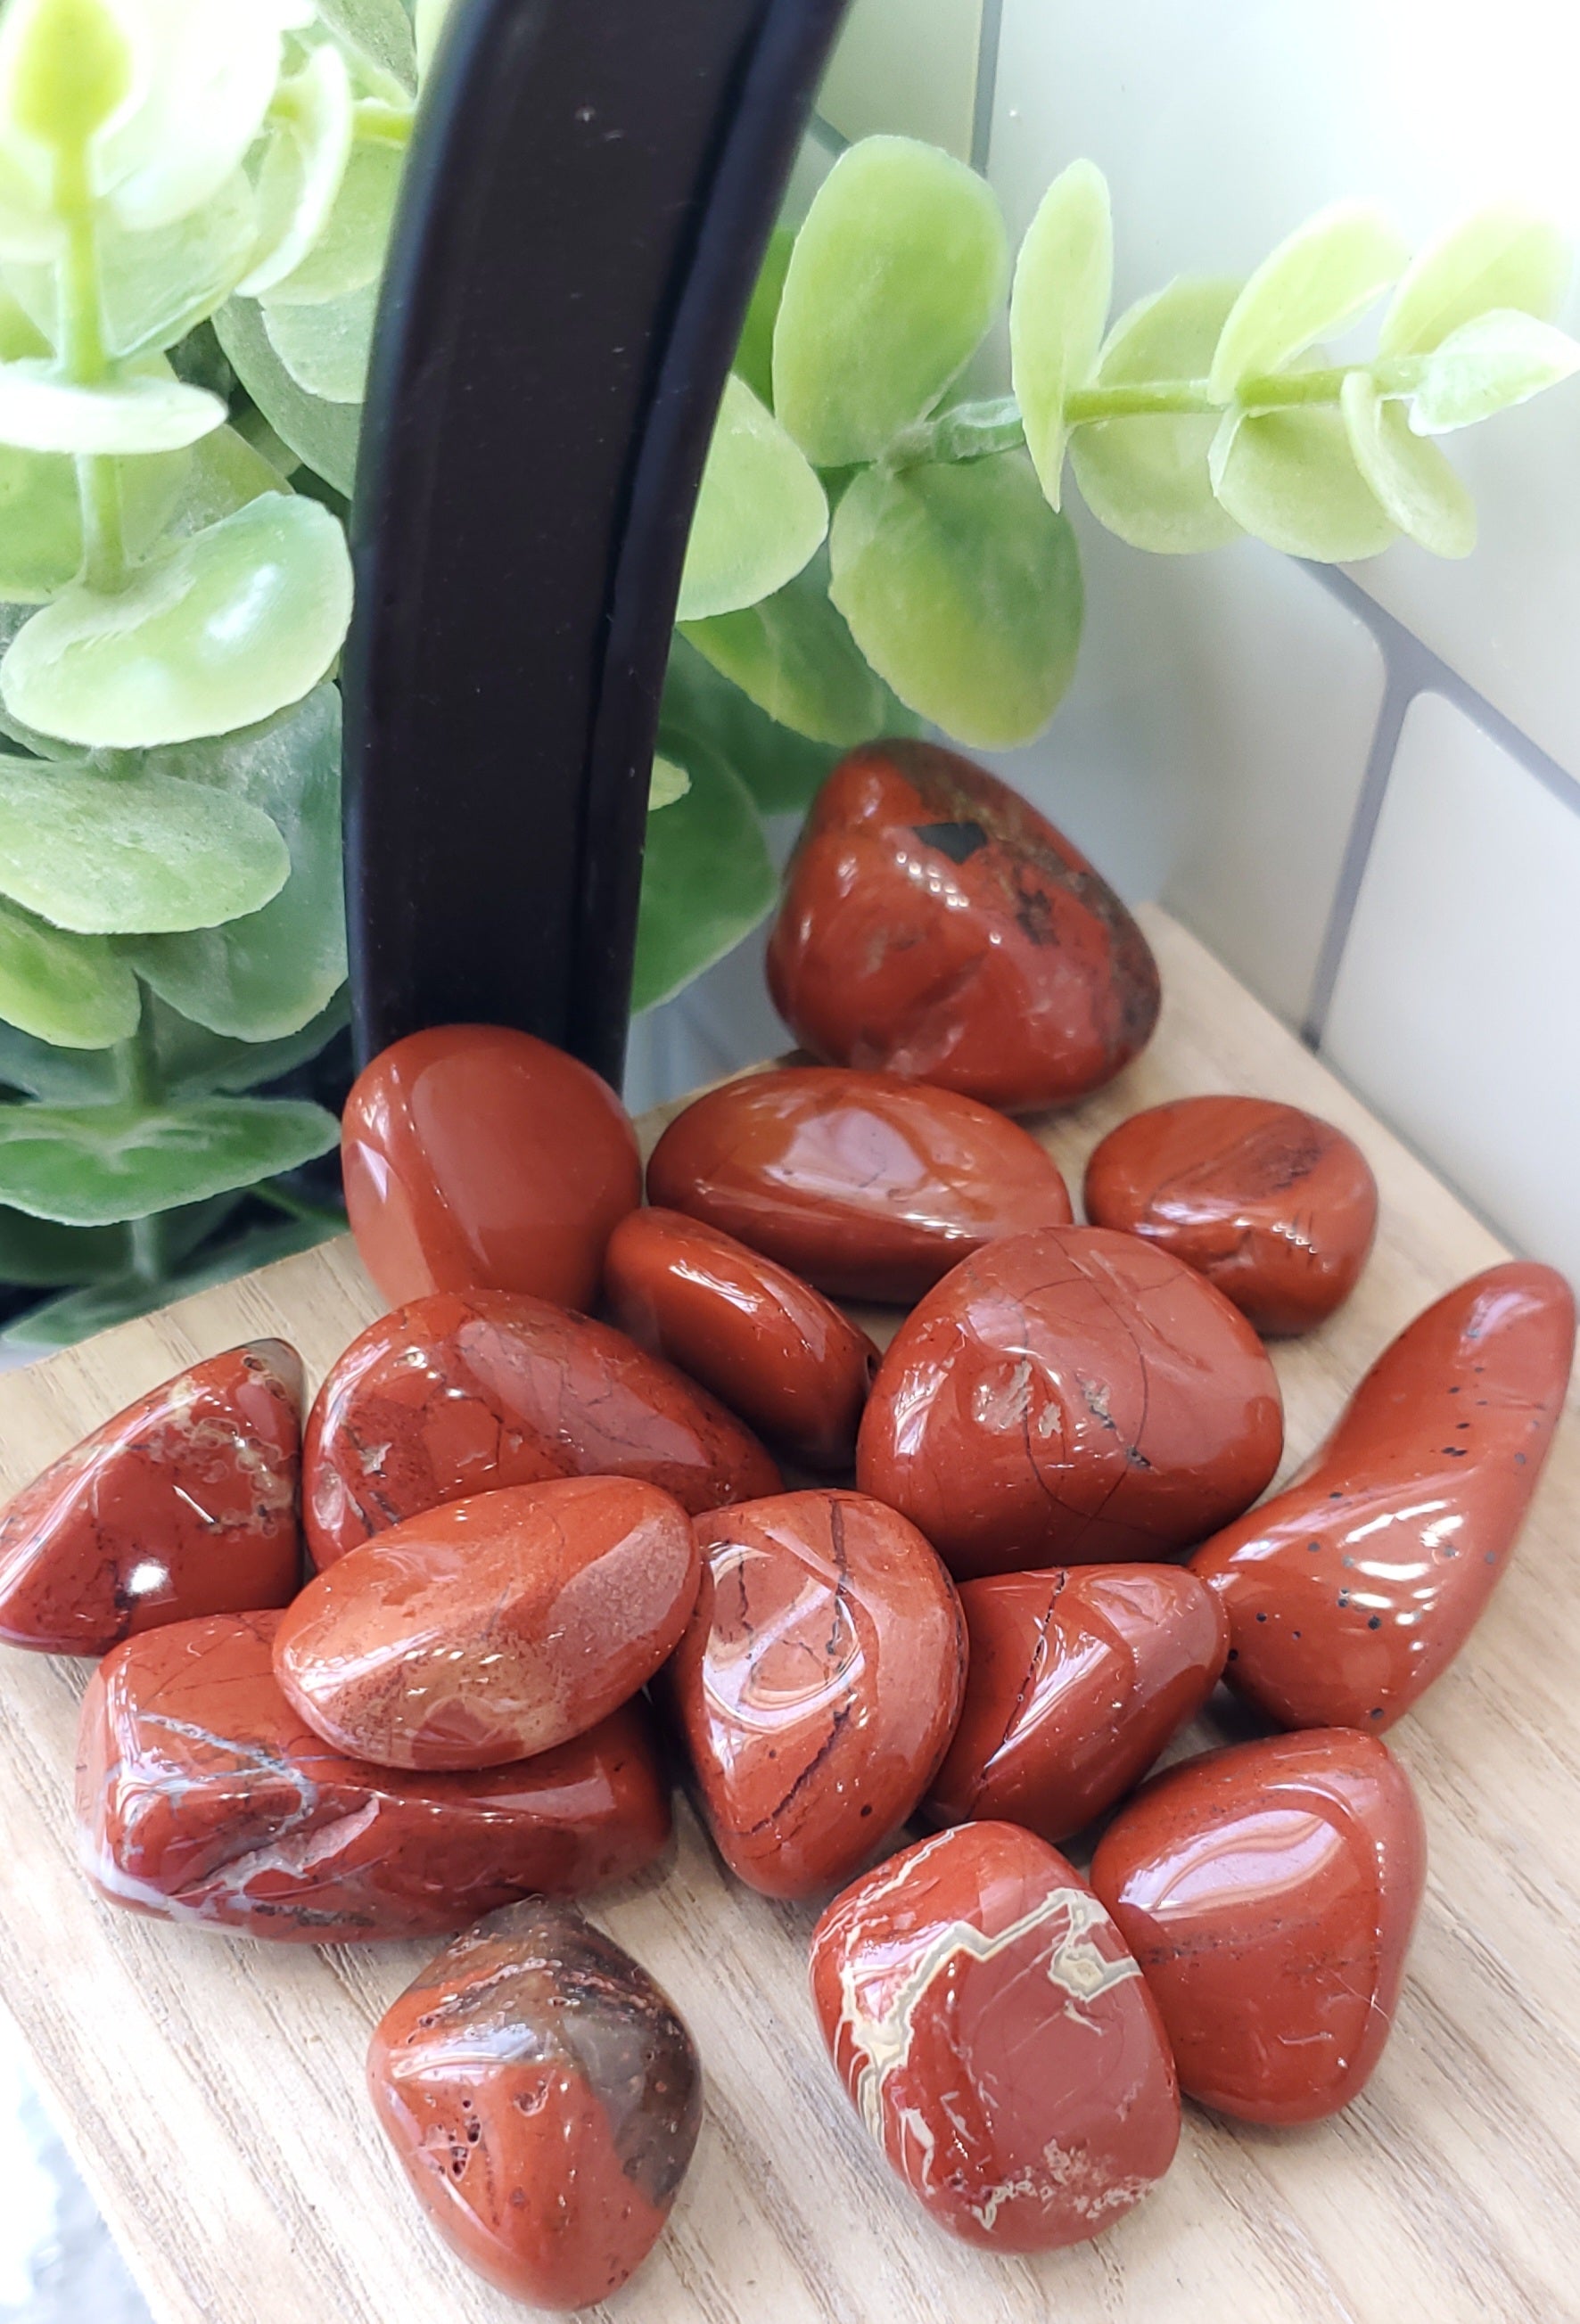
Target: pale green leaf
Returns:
[323, 435]
[156, 287]
[222, 473]
[782, 769]
[35, 1251]
[61, 1323]
[69, 990]
[430, 21]
[1506, 257]
[760, 514]
[65, 1076]
[325, 348]
[1291, 478]
[707, 879]
[349, 252]
[963, 589]
[1412, 481]
[794, 656]
[377, 35]
[895, 278]
[90, 1166]
[1064, 280]
[194, 1063]
[153, 413]
[1486, 365]
[69, 71]
[754, 354]
[303, 167]
[668, 783]
[1146, 478]
[41, 514]
[1326, 272]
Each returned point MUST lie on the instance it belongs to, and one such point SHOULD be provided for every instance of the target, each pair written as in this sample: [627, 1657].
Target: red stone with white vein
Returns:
[997, 2039]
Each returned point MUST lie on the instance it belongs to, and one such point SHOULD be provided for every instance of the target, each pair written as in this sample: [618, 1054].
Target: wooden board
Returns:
[213, 2087]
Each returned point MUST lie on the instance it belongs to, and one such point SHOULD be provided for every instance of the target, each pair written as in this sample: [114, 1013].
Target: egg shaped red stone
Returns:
[492, 1627]
[817, 1684]
[771, 1346]
[869, 1187]
[468, 1391]
[997, 2039]
[1269, 1892]
[183, 1504]
[202, 1797]
[1276, 1207]
[1070, 1397]
[543, 2100]
[1076, 1679]
[935, 925]
[476, 1157]
[1350, 1591]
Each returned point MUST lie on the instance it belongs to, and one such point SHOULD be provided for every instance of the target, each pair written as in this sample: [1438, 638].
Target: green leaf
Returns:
[41, 514]
[1412, 481]
[1147, 478]
[156, 287]
[303, 167]
[963, 588]
[1290, 477]
[895, 278]
[794, 656]
[63, 1077]
[1325, 275]
[1486, 365]
[194, 1063]
[107, 855]
[66, 69]
[37, 1252]
[754, 355]
[213, 632]
[88, 1165]
[1064, 280]
[266, 975]
[760, 514]
[429, 19]
[377, 33]
[152, 413]
[61, 1323]
[325, 349]
[707, 879]
[349, 252]
[322, 435]
[668, 784]
[70, 990]
[221, 474]
[1500, 257]
[782, 769]
[206, 76]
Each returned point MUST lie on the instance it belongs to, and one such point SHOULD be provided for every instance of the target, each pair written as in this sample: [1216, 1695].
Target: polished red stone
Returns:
[935, 925]
[467, 1391]
[476, 1157]
[1269, 1892]
[203, 1798]
[544, 2098]
[1274, 1207]
[997, 2039]
[492, 1627]
[1070, 1397]
[870, 1187]
[817, 1684]
[184, 1504]
[1349, 1592]
[775, 1350]
[1076, 1679]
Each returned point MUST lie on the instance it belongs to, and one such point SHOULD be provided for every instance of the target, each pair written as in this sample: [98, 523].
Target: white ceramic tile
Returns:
[906, 66]
[1454, 1010]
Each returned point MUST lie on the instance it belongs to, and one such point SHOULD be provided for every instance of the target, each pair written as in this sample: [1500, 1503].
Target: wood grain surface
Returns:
[212, 2087]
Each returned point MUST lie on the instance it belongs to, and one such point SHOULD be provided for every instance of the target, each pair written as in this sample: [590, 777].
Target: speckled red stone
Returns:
[184, 1504]
[1268, 1892]
[870, 1187]
[468, 1391]
[935, 925]
[817, 1684]
[1070, 1397]
[1076, 1680]
[544, 2098]
[494, 1628]
[997, 2039]
[1349, 1592]
[203, 1798]
[1274, 1207]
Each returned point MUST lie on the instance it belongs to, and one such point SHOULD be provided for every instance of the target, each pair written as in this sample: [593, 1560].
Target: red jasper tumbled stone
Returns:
[1269, 1892]
[869, 1187]
[544, 2098]
[1350, 1591]
[997, 2039]
[183, 1504]
[1070, 1397]
[468, 1391]
[935, 925]
[1274, 1207]
[477, 1158]
[1076, 1679]
[492, 1627]
[202, 1797]
[817, 1685]
[759, 1338]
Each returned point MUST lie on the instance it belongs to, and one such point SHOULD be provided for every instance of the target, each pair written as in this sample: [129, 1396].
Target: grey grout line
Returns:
[987, 76]
[1398, 692]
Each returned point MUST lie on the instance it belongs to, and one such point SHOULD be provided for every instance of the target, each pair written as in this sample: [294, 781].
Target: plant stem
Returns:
[142, 1085]
[970, 431]
[85, 362]
[151, 1260]
[295, 1207]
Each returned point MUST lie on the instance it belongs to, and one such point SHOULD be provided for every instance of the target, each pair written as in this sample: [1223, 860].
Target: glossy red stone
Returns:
[478, 1158]
[1268, 1892]
[1274, 1207]
[492, 1627]
[869, 1187]
[544, 2098]
[997, 2039]
[468, 1391]
[1070, 1397]
[776, 1350]
[1350, 1591]
[935, 925]
[184, 1504]
[817, 1684]
[1076, 1680]
[203, 1798]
